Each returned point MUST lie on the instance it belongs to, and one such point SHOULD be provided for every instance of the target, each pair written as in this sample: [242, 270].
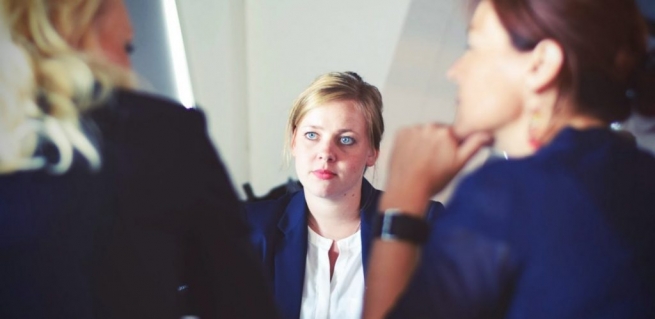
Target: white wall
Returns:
[152, 57]
[291, 42]
[250, 59]
[417, 89]
[214, 37]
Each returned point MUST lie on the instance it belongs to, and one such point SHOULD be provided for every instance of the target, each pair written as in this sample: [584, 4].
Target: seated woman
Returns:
[113, 204]
[567, 232]
[314, 243]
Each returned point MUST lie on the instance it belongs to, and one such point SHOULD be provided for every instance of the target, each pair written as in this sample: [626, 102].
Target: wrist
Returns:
[396, 225]
[407, 202]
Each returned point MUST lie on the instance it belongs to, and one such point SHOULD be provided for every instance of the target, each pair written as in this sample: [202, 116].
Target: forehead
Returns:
[335, 114]
[484, 18]
[485, 26]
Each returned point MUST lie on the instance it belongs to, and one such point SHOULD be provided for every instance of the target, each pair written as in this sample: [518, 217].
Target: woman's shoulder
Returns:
[140, 101]
[267, 213]
[372, 195]
[493, 190]
[145, 111]
[496, 174]
[500, 173]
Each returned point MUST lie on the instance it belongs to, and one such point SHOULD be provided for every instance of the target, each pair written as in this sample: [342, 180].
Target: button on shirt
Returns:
[341, 297]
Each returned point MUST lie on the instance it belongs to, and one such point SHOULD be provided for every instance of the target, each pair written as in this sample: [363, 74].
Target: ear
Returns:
[372, 157]
[546, 62]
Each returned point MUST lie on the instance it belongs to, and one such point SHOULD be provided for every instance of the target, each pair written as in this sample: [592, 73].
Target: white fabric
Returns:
[343, 296]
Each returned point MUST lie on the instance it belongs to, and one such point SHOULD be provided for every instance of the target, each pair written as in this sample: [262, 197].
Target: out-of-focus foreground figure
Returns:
[113, 204]
[567, 232]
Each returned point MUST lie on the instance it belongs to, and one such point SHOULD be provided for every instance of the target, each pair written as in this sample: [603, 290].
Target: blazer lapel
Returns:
[290, 257]
[369, 205]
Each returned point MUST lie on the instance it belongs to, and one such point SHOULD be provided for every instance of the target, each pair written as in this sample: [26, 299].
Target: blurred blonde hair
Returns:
[51, 67]
[339, 86]
[17, 138]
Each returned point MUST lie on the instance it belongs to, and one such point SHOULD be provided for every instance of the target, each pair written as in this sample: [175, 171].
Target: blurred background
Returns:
[245, 61]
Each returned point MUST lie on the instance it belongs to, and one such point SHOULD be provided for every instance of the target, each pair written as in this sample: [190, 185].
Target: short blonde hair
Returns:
[339, 86]
[65, 79]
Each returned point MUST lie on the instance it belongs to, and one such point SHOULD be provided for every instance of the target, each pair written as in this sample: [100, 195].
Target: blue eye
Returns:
[346, 140]
[311, 135]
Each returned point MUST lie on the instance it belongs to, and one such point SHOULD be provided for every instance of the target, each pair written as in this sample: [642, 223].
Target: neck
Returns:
[561, 114]
[576, 121]
[513, 139]
[334, 218]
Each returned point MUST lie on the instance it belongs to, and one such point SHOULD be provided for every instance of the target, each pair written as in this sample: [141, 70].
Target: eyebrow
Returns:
[343, 130]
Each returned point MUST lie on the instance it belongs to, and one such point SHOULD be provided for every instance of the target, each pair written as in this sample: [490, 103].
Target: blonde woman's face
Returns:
[489, 76]
[331, 150]
[113, 34]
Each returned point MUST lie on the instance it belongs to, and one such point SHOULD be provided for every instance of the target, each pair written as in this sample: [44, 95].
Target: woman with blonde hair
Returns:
[567, 232]
[113, 203]
[314, 242]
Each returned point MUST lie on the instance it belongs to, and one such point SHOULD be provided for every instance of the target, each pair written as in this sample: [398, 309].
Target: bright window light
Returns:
[178, 54]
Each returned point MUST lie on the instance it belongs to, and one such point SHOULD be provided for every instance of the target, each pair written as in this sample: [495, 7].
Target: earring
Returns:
[536, 129]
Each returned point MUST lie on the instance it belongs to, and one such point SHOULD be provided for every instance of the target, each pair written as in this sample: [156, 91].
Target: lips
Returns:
[324, 174]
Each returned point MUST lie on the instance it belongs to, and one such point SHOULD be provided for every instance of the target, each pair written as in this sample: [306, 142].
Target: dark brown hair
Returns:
[605, 46]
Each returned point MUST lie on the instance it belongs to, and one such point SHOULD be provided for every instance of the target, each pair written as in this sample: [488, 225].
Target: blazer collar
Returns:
[368, 211]
[290, 257]
[295, 214]
[291, 251]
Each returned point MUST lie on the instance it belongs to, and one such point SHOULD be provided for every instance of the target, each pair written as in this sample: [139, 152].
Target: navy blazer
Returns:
[156, 233]
[279, 234]
[567, 233]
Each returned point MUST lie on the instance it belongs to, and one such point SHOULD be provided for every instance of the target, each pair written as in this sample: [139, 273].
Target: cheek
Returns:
[296, 145]
[301, 164]
[487, 115]
[115, 52]
[304, 155]
[292, 149]
[357, 161]
[490, 99]
[112, 42]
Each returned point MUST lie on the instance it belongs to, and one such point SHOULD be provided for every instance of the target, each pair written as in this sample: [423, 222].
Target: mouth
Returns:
[324, 174]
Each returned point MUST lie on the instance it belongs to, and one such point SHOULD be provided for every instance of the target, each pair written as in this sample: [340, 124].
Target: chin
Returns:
[461, 131]
[319, 190]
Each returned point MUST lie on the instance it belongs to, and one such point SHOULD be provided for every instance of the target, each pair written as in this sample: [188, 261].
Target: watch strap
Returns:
[393, 224]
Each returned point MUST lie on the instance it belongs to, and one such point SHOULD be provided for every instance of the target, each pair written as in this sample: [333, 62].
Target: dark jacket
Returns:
[566, 233]
[156, 233]
[279, 234]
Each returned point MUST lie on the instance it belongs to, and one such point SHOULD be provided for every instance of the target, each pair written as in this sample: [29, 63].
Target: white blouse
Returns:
[343, 296]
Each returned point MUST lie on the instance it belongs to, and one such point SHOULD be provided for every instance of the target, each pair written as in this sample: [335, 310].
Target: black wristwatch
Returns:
[393, 224]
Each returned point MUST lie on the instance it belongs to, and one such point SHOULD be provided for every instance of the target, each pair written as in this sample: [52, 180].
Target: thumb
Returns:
[471, 145]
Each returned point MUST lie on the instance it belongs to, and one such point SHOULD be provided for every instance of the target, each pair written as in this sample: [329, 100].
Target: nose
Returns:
[326, 151]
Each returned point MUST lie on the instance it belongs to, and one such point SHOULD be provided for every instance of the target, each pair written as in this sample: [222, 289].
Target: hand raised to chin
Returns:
[424, 159]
